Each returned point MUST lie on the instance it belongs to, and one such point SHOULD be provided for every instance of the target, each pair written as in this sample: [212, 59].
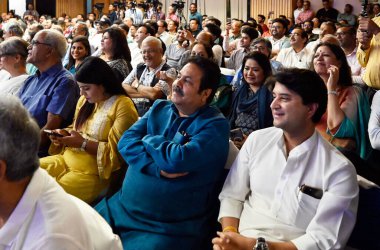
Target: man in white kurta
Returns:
[35, 212]
[288, 185]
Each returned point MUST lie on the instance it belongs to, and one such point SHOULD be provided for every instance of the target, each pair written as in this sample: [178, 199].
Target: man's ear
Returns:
[205, 94]
[3, 169]
[312, 109]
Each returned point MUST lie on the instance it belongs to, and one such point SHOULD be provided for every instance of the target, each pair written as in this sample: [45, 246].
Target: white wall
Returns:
[339, 5]
[216, 8]
[18, 5]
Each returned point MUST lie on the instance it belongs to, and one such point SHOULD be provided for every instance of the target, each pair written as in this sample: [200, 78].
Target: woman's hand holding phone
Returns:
[56, 135]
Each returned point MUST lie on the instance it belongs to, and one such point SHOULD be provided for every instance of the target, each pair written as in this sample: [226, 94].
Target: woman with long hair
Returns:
[116, 53]
[84, 156]
[79, 50]
[345, 122]
[250, 109]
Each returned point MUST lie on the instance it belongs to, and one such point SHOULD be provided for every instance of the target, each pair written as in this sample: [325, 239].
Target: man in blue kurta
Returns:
[51, 94]
[176, 154]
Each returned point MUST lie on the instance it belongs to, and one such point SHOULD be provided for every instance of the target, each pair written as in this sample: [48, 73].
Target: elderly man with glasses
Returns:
[51, 94]
[143, 84]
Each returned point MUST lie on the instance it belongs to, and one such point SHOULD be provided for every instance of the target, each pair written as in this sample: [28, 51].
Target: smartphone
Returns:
[51, 132]
[311, 191]
[236, 134]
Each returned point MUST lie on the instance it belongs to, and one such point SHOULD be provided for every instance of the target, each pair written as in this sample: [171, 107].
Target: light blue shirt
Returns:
[54, 91]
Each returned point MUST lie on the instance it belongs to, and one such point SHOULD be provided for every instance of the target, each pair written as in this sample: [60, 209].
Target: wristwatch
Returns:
[84, 145]
[261, 244]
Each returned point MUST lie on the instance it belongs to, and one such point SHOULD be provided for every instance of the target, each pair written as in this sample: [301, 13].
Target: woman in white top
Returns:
[13, 54]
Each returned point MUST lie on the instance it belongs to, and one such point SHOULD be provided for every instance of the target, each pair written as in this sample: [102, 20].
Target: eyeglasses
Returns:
[35, 42]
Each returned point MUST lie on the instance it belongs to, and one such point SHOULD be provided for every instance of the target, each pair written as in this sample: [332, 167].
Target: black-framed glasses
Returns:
[35, 42]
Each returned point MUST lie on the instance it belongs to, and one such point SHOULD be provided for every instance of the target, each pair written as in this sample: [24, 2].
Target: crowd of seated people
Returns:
[162, 102]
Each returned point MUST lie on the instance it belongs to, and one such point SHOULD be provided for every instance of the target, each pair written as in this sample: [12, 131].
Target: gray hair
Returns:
[266, 42]
[14, 45]
[153, 40]
[20, 139]
[56, 40]
[14, 28]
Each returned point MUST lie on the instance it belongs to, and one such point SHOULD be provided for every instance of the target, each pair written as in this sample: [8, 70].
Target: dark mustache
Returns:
[178, 90]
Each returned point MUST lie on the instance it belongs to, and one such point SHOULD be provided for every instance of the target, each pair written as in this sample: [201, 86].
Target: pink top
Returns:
[305, 15]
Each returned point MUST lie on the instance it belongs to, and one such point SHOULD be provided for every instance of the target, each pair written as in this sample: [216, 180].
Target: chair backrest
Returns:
[232, 154]
[367, 227]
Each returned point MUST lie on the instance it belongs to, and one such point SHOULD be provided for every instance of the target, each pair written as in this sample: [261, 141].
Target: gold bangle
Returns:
[230, 229]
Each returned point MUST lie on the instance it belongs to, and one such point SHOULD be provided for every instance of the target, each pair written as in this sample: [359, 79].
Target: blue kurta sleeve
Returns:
[132, 149]
[177, 155]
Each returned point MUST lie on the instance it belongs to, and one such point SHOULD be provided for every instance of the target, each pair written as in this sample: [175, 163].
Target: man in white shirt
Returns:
[299, 9]
[288, 185]
[135, 13]
[346, 36]
[297, 55]
[162, 33]
[236, 59]
[142, 32]
[326, 28]
[35, 212]
[279, 39]
[143, 84]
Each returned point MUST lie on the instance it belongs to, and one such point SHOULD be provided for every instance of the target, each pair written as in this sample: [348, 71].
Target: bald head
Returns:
[151, 50]
[205, 38]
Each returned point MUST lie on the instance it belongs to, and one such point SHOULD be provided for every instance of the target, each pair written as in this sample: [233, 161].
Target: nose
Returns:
[274, 103]
[178, 82]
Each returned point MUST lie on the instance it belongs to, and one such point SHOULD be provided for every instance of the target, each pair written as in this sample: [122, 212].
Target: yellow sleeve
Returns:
[53, 149]
[362, 55]
[123, 116]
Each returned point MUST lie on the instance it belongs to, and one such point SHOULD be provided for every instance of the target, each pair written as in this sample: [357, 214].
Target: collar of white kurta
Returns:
[299, 150]
[24, 209]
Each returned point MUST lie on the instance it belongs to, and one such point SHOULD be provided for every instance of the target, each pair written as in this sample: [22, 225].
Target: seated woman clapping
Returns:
[345, 122]
[86, 155]
[251, 101]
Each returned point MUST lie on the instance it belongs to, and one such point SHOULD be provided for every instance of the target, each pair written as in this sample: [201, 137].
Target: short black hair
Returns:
[164, 23]
[283, 22]
[214, 29]
[194, 19]
[262, 17]
[251, 32]
[210, 74]
[308, 85]
[149, 29]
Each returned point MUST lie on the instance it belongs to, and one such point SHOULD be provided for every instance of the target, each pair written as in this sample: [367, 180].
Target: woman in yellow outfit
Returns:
[86, 155]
